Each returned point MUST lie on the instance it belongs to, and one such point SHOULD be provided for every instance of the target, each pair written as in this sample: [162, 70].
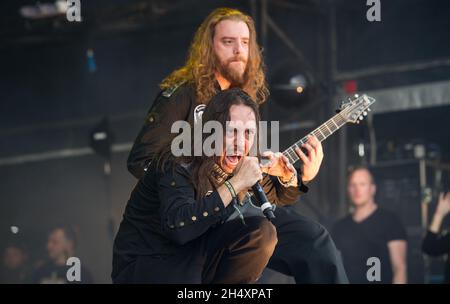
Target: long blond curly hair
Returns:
[200, 66]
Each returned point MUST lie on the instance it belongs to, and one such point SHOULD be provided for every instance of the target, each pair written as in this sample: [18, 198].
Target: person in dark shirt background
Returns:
[370, 231]
[15, 268]
[437, 243]
[61, 245]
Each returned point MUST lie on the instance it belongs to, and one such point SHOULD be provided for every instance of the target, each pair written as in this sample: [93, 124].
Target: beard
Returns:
[236, 76]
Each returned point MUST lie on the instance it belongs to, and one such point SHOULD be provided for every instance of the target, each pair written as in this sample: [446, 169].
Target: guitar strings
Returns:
[338, 120]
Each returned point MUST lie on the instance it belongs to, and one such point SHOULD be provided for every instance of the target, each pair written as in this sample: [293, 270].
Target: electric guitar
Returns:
[351, 111]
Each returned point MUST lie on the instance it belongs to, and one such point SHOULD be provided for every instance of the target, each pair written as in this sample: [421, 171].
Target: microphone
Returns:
[266, 206]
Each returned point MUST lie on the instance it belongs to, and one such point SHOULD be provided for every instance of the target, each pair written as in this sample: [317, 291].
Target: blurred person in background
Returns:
[14, 268]
[437, 242]
[61, 244]
[370, 231]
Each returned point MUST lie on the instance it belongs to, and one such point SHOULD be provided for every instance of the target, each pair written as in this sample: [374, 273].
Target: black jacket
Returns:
[163, 216]
[168, 107]
[435, 244]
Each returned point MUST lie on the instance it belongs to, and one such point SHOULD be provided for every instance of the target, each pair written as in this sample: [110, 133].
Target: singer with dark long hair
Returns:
[183, 222]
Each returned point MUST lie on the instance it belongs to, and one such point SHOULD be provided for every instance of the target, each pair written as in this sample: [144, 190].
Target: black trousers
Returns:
[305, 250]
[229, 253]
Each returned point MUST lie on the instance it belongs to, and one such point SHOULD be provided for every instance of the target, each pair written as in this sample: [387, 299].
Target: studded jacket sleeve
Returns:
[168, 107]
[183, 217]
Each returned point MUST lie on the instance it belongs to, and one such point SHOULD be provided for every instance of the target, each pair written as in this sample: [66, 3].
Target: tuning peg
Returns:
[368, 110]
[356, 95]
[342, 106]
[365, 113]
[357, 121]
[361, 117]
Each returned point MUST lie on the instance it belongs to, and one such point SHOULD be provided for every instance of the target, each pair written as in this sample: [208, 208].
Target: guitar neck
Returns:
[322, 132]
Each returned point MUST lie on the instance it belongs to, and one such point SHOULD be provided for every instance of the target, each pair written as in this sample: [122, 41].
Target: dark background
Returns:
[49, 101]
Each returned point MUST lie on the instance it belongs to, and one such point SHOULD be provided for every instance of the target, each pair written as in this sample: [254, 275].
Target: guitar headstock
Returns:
[354, 109]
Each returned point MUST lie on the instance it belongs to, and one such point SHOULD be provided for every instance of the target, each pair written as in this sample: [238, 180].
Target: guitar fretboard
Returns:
[322, 132]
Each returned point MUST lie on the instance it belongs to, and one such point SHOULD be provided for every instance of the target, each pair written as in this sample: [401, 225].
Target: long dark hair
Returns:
[218, 109]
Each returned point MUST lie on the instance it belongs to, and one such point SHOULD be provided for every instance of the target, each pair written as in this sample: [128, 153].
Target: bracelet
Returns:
[290, 182]
[230, 188]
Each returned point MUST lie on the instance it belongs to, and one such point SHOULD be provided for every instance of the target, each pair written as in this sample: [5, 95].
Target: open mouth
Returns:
[232, 160]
